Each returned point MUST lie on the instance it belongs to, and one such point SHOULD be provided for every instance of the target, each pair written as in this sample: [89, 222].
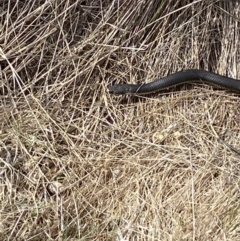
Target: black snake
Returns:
[176, 79]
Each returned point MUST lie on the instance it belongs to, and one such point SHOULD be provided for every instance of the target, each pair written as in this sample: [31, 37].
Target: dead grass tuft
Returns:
[79, 164]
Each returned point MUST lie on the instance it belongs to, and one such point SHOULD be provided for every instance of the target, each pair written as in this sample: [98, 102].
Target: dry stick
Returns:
[232, 148]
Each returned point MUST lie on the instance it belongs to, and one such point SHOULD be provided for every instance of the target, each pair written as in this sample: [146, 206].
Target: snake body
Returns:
[177, 78]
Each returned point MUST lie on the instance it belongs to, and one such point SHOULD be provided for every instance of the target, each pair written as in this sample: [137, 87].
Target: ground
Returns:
[77, 163]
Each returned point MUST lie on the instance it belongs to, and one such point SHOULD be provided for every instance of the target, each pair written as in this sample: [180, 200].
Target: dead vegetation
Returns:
[79, 164]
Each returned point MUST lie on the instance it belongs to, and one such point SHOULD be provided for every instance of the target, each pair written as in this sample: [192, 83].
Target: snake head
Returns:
[121, 89]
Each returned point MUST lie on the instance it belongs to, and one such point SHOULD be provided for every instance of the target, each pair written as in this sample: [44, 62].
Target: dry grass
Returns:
[80, 164]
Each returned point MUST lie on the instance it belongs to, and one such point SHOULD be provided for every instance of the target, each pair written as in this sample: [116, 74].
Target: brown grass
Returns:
[79, 164]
